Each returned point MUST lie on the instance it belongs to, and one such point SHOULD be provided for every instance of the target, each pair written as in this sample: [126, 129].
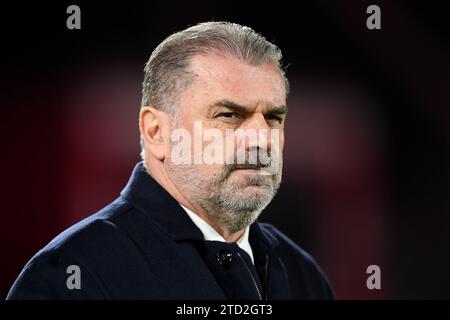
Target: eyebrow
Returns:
[279, 110]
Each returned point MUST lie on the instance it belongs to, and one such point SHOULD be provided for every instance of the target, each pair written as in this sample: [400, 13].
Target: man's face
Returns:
[227, 95]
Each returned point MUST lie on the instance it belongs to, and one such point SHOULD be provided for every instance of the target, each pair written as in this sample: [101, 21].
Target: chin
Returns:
[253, 192]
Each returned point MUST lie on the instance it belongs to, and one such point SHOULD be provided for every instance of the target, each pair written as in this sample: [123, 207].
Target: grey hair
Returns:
[167, 71]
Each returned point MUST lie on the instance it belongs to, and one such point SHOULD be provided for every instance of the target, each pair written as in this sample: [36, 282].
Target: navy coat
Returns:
[144, 246]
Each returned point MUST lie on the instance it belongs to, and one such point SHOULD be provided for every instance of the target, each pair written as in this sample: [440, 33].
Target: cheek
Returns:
[210, 170]
[281, 143]
[278, 143]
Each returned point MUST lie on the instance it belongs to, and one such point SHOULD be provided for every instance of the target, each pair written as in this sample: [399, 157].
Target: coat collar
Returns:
[151, 198]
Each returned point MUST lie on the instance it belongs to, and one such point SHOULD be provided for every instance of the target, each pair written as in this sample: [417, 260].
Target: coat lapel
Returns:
[167, 237]
[269, 265]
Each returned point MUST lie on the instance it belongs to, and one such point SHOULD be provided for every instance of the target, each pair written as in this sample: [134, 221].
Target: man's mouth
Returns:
[249, 167]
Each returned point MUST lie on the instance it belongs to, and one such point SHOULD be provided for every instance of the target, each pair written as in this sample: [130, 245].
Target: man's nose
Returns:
[261, 138]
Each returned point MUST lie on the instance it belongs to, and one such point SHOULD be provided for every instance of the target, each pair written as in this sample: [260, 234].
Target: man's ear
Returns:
[152, 124]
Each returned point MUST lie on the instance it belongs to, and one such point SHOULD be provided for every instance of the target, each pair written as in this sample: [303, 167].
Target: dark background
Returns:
[366, 178]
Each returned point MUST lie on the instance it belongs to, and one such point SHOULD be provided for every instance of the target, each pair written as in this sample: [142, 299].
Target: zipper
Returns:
[251, 276]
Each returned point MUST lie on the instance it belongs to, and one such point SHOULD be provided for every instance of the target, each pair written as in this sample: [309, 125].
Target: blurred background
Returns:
[367, 174]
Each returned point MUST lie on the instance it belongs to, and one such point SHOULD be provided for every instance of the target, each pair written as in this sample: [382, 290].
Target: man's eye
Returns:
[230, 115]
[272, 117]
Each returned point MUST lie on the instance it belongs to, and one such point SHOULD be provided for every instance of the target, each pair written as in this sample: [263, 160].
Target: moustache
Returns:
[229, 168]
[254, 158]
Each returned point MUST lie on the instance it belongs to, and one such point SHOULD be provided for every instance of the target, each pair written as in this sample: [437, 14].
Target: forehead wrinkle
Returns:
[236, 66]
[234, 77]
[202, 66]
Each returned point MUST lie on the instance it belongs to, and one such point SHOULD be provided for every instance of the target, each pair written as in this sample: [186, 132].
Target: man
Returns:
[185, 226]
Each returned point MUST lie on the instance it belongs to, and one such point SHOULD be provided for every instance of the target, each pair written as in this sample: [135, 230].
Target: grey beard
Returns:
[222, 200]
[237, 212]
